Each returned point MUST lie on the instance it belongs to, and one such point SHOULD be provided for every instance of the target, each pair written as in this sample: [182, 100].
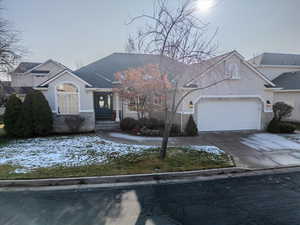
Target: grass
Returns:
[178, 159]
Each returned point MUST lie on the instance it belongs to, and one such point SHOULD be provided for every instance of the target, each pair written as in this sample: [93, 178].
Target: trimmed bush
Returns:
[191, 127]
[42, 115]
[287, 128]
[36, 117]
[12, 114]
[175, 130]
[128, 124]
[273, 126]
[276, 126]
[151, 123]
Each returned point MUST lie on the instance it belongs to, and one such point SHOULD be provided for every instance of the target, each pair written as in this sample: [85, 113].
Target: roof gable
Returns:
[211, 64]
[44, 84]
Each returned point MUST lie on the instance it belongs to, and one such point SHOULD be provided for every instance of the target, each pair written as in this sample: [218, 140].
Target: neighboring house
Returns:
[241, 102]
[284, 71]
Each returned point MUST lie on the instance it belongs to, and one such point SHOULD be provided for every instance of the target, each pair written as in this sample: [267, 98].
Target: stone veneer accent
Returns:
[59, 125]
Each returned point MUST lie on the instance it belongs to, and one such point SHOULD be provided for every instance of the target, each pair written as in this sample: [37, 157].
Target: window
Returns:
[67, 99]
[232, 70]
[136, 102]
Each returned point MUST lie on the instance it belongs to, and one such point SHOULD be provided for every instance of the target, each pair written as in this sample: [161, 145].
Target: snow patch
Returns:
[134, 138]
[270, 142]
[209, 149]
[66, 151]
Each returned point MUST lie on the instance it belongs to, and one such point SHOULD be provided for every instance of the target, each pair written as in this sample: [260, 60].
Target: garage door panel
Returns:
[225, 114]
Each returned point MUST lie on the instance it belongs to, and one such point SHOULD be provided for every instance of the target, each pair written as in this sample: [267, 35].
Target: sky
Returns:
[78, 32]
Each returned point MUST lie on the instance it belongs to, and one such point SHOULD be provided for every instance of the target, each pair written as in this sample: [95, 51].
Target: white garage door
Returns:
[228, 114]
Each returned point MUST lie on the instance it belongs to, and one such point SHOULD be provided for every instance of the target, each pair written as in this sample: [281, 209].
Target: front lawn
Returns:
[75, 156]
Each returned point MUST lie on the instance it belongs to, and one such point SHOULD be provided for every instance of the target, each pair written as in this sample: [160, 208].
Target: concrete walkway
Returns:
[231, 142]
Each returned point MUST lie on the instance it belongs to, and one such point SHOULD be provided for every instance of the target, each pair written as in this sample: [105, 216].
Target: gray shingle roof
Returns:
[288, 81]
[280, 59]
[25, 66]
[101, 73]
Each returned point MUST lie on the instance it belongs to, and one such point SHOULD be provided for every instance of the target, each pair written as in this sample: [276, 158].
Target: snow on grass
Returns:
[134, 138]
[270, 142]
[29, 154]
[67, 151]
[209, 149]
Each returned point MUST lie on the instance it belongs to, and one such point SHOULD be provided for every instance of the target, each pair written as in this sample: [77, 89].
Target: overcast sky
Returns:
[77, 32]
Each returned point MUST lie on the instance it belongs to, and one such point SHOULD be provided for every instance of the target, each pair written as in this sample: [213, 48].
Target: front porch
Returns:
[107, 106]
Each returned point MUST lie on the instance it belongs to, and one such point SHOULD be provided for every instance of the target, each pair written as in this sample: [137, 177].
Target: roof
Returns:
[101, 73]
[25, 66]
[209, 64]
[288, 81]
[60, 73]
[278, 59]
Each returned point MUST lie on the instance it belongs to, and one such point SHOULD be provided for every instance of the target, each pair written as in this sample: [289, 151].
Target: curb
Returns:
[144, 179]
[120, 179]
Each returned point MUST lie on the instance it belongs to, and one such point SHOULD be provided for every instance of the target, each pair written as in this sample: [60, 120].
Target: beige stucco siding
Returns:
[249, 84]
[85, 96]
[291, 98]
[33, 80]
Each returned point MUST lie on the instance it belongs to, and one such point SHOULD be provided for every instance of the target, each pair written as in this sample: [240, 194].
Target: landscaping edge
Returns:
[119, 178]
[157, 177]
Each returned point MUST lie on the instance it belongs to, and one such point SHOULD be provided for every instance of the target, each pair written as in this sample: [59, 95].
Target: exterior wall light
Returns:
[191, 105]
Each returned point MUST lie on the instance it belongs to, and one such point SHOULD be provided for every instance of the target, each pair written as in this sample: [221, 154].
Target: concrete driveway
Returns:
[249, 149]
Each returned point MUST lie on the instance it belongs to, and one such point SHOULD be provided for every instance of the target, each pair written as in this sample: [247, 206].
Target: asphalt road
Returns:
[263, 200]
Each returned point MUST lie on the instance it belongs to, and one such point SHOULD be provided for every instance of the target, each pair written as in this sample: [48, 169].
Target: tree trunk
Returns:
[164, 145]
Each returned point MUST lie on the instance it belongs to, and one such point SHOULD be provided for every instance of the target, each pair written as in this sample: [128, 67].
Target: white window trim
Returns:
[56, 95]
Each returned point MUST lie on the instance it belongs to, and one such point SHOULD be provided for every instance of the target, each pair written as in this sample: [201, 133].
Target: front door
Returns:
[103, 102]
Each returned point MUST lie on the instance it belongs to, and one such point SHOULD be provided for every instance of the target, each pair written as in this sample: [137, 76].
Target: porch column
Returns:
[117, 108]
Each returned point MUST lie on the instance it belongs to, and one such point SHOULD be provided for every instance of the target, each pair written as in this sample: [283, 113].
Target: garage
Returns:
[222, 114]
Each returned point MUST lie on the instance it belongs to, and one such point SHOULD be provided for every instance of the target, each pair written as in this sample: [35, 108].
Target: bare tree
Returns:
[10, 51]
[177, 35]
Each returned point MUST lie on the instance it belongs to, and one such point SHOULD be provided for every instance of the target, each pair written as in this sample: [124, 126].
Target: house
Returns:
[242, 101]
[284, 71]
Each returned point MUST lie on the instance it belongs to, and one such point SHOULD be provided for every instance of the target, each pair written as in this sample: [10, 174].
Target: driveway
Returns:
[249, 149]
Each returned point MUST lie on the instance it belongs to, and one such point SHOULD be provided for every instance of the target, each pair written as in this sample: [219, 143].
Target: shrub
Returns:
[128, 124]
[74, 122]
[273, 126]
[12, 114]
[282, 110]
[42, 115]
[36, 117]
[276, 126]
[143, 122]
[151, 123]
[175, 130]
[191, 127]
[25, 122]
[287, 128]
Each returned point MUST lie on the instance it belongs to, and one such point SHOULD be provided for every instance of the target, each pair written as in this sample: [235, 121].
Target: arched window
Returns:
[67, 99]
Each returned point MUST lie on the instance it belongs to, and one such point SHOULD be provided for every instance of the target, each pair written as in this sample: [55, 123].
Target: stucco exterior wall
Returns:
[249, 85]
[20, 80]
[293, 99]
[60, 126]
[86, 102]
[33, 80]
